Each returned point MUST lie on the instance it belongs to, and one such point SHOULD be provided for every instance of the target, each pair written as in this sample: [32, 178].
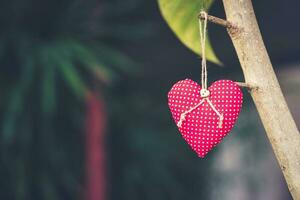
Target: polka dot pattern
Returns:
[200, 127]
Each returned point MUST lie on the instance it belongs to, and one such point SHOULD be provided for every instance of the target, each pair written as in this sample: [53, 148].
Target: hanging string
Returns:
[202, 30]
[204, 93]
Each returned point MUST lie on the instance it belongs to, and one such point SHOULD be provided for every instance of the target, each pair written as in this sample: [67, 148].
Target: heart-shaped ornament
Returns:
[201, 127]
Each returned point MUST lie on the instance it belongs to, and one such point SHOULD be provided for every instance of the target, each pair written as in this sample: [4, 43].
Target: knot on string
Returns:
[204, 93]
[182, 118]
[221, 118]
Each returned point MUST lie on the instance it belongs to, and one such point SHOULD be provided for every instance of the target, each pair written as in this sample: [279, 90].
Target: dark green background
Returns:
[42, 109]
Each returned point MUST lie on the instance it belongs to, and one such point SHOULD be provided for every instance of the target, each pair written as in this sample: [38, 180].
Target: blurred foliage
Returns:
[51, 54]
[182, 17]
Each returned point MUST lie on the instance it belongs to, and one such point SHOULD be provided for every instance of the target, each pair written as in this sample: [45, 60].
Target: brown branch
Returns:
[247, 85]
[218, 21]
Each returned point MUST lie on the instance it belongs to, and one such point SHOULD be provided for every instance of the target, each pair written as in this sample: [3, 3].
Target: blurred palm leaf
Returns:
[48, 49]
[16, 97]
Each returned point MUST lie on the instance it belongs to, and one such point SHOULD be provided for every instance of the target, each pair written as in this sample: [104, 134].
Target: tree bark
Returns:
[279, 124]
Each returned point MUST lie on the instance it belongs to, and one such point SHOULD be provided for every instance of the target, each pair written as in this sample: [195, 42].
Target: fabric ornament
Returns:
[204, 116]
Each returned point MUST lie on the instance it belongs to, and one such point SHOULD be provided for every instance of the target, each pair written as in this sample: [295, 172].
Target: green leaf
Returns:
[86, 56]
[48, 79]
[18, 94]
[72, 77]
[182, 17]
[68, 70]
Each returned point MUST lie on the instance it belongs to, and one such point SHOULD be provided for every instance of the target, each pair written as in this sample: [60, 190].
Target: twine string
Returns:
[205, 94]
[182, 116]
[202, 30]
[221, 117]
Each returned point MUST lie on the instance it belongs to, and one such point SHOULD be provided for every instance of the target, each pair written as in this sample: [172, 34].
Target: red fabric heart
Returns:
[201, 128]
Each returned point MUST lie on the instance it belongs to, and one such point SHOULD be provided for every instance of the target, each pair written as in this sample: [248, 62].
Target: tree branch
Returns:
[247, 85]
[279, 124]
[216, 20]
